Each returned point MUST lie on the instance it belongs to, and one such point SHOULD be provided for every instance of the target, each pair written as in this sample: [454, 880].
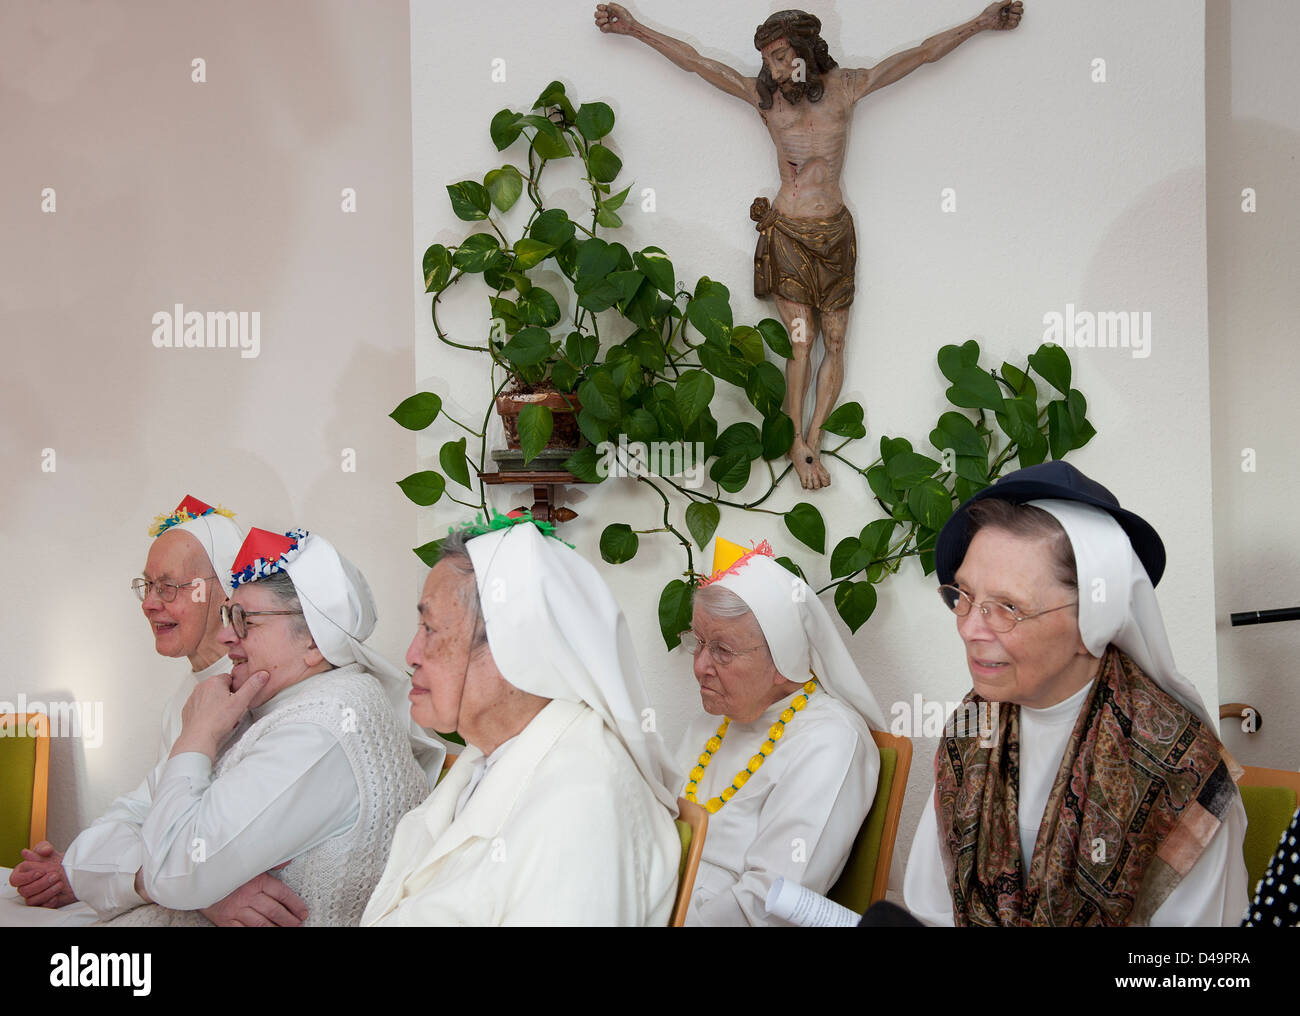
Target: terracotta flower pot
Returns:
[564, 411]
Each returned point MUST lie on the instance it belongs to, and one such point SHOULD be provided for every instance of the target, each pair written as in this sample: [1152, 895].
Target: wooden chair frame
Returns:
[1257, 777]
[697, 818]
[893, 809]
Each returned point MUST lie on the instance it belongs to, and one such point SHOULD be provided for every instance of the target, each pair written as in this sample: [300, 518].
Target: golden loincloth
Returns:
[807, 261]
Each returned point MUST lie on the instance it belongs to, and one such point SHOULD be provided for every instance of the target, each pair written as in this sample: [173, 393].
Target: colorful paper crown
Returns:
[264, 553]
[498, 521]
[190, 508]
[729, 558]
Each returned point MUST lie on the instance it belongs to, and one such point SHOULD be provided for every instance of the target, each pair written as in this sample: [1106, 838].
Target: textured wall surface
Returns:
[220, 195]
[1252, 145]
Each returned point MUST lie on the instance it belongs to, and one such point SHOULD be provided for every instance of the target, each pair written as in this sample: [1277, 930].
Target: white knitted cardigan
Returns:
[334, 878]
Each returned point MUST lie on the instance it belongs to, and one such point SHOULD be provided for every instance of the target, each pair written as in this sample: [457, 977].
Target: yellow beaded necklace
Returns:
[774, 734]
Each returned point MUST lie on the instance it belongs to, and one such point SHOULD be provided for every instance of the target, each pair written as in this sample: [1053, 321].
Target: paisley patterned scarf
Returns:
[1141, 790]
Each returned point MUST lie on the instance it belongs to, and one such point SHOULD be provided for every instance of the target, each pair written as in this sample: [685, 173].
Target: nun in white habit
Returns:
[560, 809]
[294, 761]
[782, 756]
[1105, 797]
[186, 581]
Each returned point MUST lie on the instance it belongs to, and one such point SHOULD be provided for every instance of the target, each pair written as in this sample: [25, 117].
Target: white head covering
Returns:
[341, 614]
[1117, 603]
[800, 633]
[216, 532]
[556, 631]
[220, 539]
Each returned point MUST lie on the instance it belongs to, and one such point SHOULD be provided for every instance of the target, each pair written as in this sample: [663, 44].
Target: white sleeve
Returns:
[806, 828]
[1214, 893]
[102, 861]
[204, 838]
[925, 886]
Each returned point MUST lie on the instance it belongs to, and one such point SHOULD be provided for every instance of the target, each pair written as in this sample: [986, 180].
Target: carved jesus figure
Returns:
[807, 248]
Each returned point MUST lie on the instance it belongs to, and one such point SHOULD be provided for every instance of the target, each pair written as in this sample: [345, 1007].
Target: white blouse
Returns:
[797, 817]
[204, 838]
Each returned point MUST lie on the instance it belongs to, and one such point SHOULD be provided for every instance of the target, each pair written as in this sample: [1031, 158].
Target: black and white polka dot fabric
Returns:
[1277, 901]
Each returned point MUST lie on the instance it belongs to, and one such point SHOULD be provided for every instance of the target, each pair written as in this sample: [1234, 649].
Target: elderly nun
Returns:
[186, 581]
[782, 756]
[294, 760]
[1104, 796]
[560, 809]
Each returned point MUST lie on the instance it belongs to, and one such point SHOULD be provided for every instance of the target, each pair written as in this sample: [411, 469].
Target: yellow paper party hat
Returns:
[725, 554]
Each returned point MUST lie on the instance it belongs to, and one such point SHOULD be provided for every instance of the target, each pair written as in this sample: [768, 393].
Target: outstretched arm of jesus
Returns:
[616, 19]
[999, 17]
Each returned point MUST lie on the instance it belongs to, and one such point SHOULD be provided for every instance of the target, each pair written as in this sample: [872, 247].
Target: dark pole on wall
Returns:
[1265, 616]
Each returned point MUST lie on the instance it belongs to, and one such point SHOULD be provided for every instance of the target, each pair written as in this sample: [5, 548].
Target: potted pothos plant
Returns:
[639, 360]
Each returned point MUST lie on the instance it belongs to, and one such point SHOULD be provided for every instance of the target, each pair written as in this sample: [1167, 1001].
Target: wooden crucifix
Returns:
[807, 248]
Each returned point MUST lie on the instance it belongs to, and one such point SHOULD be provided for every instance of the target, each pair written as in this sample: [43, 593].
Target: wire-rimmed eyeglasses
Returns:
[233, 614]
[166, 590]
[1001, 617]
[722, 655]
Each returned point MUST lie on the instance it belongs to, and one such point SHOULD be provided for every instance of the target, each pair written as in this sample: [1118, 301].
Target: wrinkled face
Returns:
[779, 57]
[1042, 660]
[179, 627]
[439, 655]
[274, 643]
[745, 687]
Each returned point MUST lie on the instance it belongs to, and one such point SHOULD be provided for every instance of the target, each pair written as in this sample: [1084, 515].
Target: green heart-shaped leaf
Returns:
[618, 543]
[535, 424]
[807, 526]
[855, 602]
[424, 488]
[675, 612]
[469, 200]
[453, 461]
[1052, 364]
[702, 519]
[418, 411]
[595, 120]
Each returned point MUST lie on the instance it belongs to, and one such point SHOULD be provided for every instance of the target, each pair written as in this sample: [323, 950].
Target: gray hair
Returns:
[281, 587]
[1027, 522]
[455, 552]
[722, 604]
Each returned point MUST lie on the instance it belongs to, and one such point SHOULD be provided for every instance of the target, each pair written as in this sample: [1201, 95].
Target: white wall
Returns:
[1067, 190]
[1253, 129]
[222, 195]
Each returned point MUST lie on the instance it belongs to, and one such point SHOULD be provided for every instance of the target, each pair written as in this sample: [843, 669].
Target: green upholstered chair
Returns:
[1270, 797]
[24, 782]
[865, 878]
[692, 824]
[448, 761]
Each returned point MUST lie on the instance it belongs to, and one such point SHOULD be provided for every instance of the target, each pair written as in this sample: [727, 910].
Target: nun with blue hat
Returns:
[1094, 789]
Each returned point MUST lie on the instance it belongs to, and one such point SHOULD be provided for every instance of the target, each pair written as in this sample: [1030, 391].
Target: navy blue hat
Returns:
[1059, 481]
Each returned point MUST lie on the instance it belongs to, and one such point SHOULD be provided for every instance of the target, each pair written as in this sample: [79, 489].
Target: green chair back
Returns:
[853, 888]
[684, 833]
[17, 777]
[1268, 815]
